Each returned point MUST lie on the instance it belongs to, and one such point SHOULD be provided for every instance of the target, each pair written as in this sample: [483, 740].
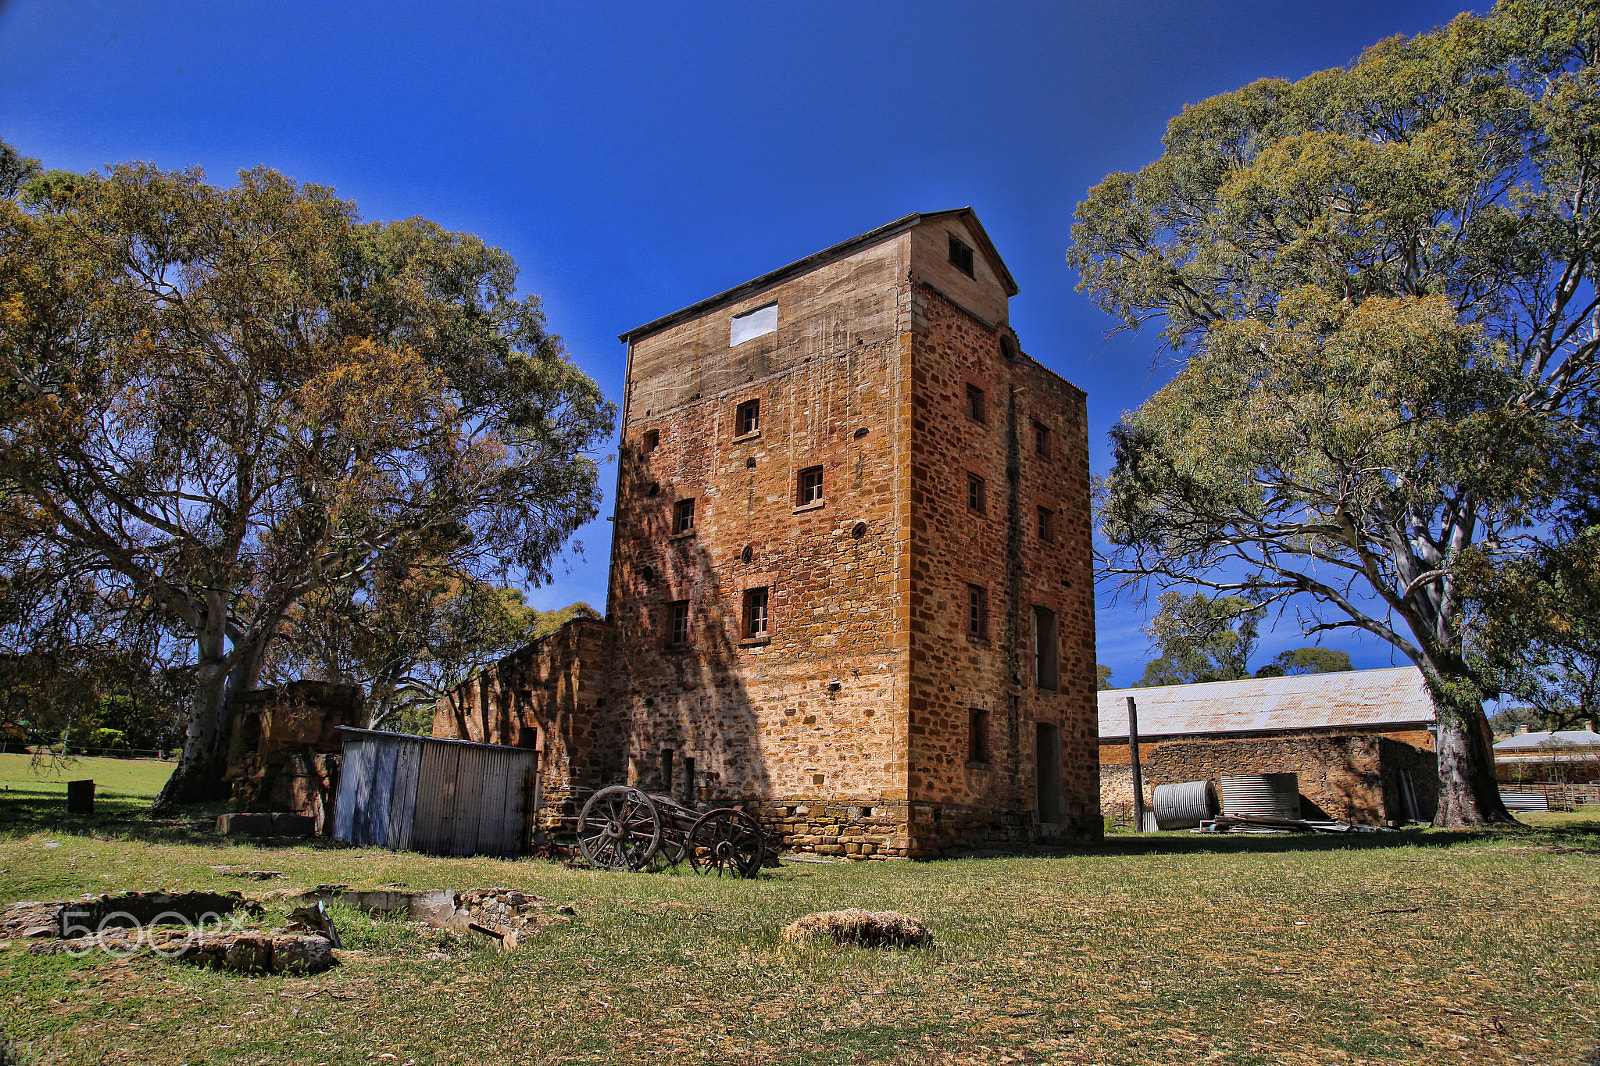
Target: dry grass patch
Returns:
[1418, 948]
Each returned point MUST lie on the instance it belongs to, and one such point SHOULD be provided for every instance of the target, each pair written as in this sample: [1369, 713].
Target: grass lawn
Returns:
[1418, 947]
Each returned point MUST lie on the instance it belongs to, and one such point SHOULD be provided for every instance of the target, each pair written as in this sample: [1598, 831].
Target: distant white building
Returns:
[1567, 755]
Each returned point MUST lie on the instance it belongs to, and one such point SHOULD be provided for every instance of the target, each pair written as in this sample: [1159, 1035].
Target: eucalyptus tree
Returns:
[1380, 282]
[232, 398]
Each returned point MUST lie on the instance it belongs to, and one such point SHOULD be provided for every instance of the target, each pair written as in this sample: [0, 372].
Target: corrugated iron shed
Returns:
[436, 796]
[1387, 699]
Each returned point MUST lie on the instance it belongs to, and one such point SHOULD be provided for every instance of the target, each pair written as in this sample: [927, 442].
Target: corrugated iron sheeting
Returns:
[440, 797]
[1388, 698]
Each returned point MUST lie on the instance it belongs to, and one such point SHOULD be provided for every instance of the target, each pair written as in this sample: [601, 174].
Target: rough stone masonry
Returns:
[851, 582]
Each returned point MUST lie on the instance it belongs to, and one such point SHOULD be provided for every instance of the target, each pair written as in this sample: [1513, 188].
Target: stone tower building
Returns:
[851, 576]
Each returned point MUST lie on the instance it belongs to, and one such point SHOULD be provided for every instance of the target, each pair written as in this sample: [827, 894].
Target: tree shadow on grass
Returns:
[122, 816]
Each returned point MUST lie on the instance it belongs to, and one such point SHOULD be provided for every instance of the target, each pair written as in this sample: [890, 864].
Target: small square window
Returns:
[977, 734]
[975, 406]
[960, 255]
[977, 495]
[1047, 524]
[978, 612]
[652, 439]
[810, 486]
[1041, 440]
[678, 623]
[755, 612]
[683, 516]
[748, 418]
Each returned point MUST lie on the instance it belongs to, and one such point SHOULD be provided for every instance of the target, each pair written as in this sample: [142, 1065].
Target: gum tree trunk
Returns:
[1469, 795]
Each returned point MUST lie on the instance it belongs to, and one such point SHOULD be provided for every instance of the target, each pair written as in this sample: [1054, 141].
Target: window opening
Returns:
[977, 735]
[678, 627]
[1047, 524]
[960, 255]
[683, 516]
[755, 612]
[977, 497]
[666, 769]
[652, 439]
[975, 407]
[688, 780]
[1041, 440]
[1046, 649]
[978, 611]
[752, 324]
[810, 485]
[748, 418]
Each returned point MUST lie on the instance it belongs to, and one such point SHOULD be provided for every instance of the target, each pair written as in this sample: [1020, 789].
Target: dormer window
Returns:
[960, 256]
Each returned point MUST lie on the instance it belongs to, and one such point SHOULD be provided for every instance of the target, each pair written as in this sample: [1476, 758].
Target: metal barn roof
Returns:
[1528, 743]
[1351, 699]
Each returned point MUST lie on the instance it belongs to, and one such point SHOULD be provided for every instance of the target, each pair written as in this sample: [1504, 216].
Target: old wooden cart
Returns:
[625, 828]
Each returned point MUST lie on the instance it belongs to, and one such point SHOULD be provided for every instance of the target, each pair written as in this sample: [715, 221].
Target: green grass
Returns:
[1418, 947]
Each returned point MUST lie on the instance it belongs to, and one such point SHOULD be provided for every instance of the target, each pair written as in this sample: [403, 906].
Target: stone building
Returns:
[1361, 741]
[851, 576]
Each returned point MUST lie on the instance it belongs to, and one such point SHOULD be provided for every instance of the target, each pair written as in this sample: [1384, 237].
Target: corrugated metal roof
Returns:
[1565, 738]
[1388, 698]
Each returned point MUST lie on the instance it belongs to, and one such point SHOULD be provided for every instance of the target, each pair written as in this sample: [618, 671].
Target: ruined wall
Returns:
[551, 695]
[1349, 778]
[998, 549]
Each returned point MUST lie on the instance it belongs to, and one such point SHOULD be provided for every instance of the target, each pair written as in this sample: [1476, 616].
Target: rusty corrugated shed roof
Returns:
[1383, 699]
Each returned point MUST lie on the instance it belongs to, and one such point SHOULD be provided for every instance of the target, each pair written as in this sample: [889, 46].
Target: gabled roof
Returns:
[822, 258]
[1351, 699]
[1565, 738]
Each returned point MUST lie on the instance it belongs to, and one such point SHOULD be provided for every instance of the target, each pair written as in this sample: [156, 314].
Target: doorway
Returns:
[1047, 770]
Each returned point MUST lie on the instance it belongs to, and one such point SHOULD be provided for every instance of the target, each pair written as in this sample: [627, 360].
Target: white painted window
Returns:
[753, 324]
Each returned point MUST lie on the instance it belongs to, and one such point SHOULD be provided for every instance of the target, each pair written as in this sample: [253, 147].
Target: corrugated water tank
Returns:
[1185, 805]
[1264, 795]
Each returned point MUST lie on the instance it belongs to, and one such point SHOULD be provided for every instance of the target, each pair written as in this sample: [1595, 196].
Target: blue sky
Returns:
[635, 158]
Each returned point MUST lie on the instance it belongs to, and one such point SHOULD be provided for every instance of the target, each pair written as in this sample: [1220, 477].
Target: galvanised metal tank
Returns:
[1263, 795]
[1185, 805]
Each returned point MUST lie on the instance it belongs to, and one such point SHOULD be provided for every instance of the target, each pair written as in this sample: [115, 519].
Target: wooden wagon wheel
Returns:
[619, 829]
[726, 842]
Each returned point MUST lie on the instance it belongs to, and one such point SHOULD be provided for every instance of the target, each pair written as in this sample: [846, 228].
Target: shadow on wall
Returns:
[682, 723]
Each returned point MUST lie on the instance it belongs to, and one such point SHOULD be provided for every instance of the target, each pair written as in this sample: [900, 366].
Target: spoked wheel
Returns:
[619, 829]
[726, 842]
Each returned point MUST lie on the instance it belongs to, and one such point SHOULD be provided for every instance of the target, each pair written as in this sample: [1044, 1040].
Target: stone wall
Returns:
[998, 549]
[857, 696]
[551, 695]
[1349, 778]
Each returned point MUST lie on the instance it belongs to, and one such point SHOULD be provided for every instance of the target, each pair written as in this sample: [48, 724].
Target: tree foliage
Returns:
[1381, 281]
[1298, 661]
[1536, 636]
[1201, 638]
[235, 399]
